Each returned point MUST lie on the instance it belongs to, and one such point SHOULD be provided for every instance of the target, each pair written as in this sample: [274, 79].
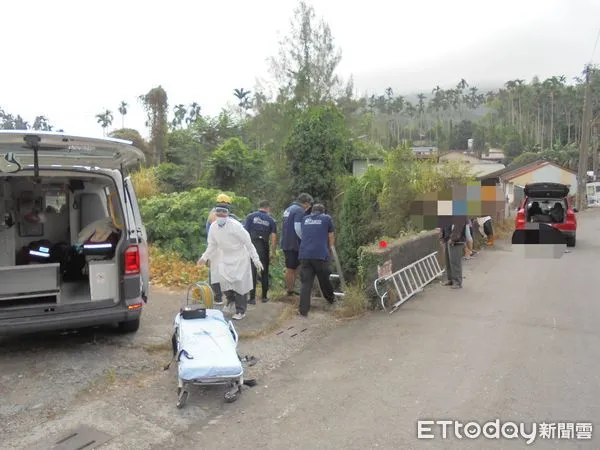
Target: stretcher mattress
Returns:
[209, 348]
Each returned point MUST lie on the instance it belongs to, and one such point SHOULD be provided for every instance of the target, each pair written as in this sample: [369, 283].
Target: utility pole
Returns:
[593, 132]
[585, 139]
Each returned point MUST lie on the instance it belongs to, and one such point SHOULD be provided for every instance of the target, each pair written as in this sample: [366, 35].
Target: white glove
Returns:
[258, 265]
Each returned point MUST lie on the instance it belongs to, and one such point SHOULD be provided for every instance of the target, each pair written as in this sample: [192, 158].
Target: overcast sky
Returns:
[71, 59]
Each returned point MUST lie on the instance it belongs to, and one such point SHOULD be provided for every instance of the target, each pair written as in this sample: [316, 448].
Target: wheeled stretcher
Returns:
[205, 348]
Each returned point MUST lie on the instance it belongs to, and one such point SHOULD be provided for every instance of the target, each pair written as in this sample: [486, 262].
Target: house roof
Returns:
[519, 169]
[502, 173]
[525, 170]
[424, 149]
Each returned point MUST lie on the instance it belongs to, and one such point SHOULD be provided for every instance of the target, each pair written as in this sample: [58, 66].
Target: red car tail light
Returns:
[520, 220]
[132, 260]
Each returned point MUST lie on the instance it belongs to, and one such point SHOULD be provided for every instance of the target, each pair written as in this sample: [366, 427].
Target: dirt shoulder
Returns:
[52, 383]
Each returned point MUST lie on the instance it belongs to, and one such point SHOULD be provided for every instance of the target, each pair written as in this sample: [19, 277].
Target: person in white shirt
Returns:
[486, 229]
[230, 251]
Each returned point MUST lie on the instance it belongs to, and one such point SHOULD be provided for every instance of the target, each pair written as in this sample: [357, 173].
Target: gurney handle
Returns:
[232, 328]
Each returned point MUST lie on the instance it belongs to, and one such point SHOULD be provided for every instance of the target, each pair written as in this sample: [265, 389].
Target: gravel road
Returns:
[51, 383]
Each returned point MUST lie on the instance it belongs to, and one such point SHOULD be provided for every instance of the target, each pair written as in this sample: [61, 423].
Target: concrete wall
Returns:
[360, 166]
[401, 252]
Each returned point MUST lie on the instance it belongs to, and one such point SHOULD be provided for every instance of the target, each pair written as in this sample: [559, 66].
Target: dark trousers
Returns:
[216, 287]
[454, 256]
[262, 248]
[488, 229]
[238, 299]
[309, 268]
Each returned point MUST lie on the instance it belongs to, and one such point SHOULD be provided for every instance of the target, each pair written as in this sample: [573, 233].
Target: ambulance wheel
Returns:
[233, 394]
[130, 326]
[183, 396]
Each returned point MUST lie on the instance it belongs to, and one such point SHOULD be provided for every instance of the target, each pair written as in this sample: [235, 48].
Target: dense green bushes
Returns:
[378, 204]
[176, 221]
[359, 221]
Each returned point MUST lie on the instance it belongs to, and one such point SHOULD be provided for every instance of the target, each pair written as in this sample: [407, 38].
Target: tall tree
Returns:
[193, 113]
[123, 111]
[317, 150]
[157, 108]
[179, 113]
[244, 103]
[308, 58]
[41, 123]
[105, 119]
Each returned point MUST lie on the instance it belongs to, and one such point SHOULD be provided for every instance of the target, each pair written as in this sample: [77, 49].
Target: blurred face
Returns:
[222, 215]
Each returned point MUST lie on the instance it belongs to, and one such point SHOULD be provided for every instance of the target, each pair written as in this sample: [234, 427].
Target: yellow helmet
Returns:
[223, 198]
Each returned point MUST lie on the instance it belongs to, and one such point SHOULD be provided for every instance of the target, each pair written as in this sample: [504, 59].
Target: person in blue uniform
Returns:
[317, 234]
[263, 232]
[290, 241]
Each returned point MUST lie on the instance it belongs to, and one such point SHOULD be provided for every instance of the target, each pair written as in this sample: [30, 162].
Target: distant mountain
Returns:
[413, 96]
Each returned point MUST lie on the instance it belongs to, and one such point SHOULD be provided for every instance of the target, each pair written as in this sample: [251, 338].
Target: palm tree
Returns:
[243, 100]
[105, 120]
[193, 113]
[123, 110]
[41, 123]
[180, 113]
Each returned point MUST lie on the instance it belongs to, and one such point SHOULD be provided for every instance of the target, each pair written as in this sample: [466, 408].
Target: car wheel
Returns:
[571, 241]
[130, 326]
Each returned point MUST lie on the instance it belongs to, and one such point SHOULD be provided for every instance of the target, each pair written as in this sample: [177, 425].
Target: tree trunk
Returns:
[551, 120]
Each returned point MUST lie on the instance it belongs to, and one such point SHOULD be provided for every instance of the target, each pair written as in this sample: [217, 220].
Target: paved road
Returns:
[519, 343]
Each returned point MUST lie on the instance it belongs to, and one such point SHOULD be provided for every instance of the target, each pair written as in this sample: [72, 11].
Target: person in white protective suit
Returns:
[230, 251]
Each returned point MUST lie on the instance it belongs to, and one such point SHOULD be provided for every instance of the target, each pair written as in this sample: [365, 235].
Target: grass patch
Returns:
[111, 376]
[145, 182]
[504, 228]
[355, 303]
[159, 347]
[168, 269]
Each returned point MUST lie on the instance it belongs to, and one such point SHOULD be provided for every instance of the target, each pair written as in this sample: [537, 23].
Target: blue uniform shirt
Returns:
[289, 239]
[315, 237]
[260, 225]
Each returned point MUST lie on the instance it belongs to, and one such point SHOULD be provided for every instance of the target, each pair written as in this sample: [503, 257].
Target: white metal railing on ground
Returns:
[407, 281]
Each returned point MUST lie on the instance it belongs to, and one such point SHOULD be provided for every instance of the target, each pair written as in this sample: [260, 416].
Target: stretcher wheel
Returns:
[233, 394]
[183, 396]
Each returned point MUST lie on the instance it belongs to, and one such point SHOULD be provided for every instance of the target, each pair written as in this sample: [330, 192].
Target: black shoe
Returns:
[447, 283]
[264, 299]
[252, 301]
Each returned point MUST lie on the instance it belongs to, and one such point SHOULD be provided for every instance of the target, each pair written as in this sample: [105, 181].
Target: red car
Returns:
[548, 203]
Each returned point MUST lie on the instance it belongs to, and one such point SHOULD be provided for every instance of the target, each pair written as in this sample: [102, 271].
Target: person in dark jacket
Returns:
[263, 232]
[454, 238]
[290, 240]
[316, 250]
[456, 249]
